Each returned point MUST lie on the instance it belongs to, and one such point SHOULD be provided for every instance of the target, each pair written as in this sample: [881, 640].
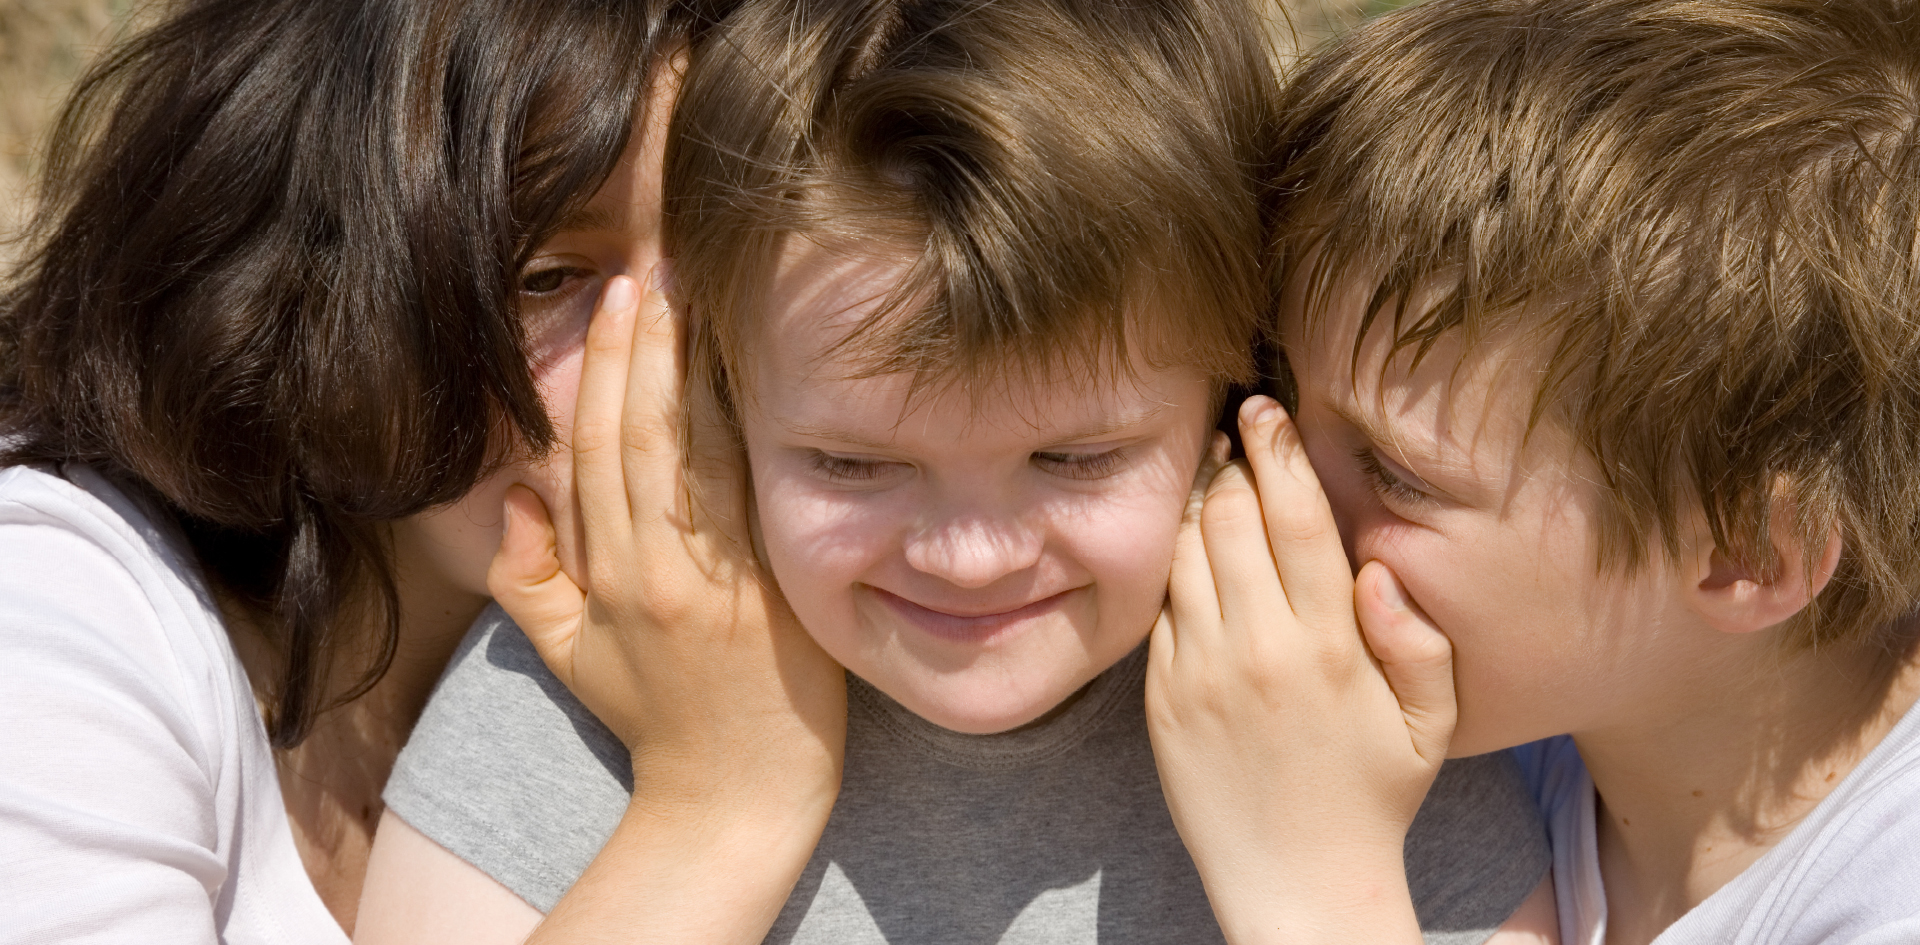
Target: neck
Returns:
[1728, 770]
[331, 781]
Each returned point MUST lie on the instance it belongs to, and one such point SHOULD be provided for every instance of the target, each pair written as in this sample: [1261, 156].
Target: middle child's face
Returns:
[978, 555]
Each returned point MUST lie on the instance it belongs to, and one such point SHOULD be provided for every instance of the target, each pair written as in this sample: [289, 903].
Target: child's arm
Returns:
[1293, 758]
[735, 719]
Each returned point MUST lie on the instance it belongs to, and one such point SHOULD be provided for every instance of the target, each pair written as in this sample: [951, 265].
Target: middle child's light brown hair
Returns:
[1069, 180]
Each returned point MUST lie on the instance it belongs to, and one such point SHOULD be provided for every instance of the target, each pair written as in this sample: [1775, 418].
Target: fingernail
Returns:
[1391, 593]
[1260, 409]
[619, 295]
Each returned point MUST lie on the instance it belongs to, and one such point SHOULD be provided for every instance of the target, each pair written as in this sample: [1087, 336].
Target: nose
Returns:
[973, 550]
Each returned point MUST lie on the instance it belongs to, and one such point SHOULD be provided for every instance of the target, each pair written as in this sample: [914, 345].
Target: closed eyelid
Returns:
[852, 468]
[1390, 451]
[1399, 469]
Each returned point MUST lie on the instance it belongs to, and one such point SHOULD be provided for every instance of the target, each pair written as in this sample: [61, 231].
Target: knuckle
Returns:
[1299, 523]
[594, 435]
[649, 433]
[1230, 509]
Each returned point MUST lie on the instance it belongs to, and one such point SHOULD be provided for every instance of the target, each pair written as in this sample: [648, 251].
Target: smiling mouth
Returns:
[968, 628]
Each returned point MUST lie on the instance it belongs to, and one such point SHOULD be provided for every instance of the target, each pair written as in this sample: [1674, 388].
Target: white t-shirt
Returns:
[138, 799]
[1849, 874]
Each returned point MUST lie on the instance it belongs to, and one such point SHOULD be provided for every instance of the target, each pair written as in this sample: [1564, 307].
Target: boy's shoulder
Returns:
[1847, 873]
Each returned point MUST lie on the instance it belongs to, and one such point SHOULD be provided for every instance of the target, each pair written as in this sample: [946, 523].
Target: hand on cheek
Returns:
[735, 719]
[1293, 746]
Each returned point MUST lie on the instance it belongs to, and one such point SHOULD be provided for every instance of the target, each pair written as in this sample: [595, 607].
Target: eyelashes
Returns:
[847, 469]
[1080, 465]
[1385, 483]
[1066, 465]
[549, 281]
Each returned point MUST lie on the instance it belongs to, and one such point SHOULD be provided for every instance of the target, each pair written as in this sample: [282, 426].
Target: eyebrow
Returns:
[854, 439]
[1425, 465]
[588, 218]
[1378, 434]
[1366, 425]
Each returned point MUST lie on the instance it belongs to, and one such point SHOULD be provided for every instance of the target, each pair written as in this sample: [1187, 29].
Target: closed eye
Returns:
[1387, 481]
[851, 468]
[1080, 465]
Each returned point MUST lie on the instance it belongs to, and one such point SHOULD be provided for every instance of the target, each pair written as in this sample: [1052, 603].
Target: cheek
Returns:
[557, 377]
[1124, 545]
[819, 542]
[457, 541]
[1124, 539]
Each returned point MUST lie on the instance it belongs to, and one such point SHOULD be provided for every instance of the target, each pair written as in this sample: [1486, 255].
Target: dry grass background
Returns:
[45, 44]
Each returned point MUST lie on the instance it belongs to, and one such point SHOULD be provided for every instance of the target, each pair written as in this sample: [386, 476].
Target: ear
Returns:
[1738, 598]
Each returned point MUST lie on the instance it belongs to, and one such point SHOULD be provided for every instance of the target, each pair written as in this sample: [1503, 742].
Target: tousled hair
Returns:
[271, 286]
[1710, 212]
[1069, 180]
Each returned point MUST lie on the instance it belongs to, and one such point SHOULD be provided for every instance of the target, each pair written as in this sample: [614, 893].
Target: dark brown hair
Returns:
[1070, 180]
[271, 287]
[1710, 212]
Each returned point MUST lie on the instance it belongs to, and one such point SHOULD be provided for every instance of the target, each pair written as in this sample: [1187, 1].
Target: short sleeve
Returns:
[107, 789]
[508, 771]
[1476, 850]
[138, 798]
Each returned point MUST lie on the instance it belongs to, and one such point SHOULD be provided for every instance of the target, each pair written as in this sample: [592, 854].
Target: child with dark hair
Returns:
[264, 376]
[1603, 321]
[969, 283]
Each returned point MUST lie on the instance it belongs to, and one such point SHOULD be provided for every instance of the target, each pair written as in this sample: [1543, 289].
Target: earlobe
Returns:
[1735, 597]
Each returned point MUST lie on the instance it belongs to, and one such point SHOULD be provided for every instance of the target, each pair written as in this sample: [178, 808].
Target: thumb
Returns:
[1415, 656]
[526, 579]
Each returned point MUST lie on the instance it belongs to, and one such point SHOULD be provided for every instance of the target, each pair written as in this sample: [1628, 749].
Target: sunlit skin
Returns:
[616, 233]
[1708, 738]
[1493, 529]
[977, 554]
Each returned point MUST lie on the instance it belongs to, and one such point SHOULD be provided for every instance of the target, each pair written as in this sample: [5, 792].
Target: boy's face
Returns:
[1492, 531]
[977, 558]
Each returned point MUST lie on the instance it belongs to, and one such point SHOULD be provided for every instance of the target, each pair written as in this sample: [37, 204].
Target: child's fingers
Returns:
[526, 579]
[1415, 656]
[1193, 603]
[1235, 539]
[650, 417]
[1162, 646]
[599, 480]
[1313, 567]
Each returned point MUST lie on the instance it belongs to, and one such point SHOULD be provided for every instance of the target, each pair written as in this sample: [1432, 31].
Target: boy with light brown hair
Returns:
[1605, 318]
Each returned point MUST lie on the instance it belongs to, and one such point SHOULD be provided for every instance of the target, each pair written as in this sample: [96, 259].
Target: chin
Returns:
[979, 706]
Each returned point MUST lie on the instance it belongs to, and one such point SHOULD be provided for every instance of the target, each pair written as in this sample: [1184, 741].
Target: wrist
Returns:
[763, 803]
[744, 785]
[713, 872]
[1356, 896]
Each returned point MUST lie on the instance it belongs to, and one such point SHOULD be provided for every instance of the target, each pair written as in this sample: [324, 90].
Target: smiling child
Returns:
[969, 282]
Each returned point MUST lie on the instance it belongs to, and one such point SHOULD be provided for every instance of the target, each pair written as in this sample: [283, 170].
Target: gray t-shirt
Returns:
[1053, 834]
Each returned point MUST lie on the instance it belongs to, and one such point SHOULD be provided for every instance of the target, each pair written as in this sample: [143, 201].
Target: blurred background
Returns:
[46, 44]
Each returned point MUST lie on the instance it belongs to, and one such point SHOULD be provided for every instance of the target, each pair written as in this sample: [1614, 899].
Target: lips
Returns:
[968, 628]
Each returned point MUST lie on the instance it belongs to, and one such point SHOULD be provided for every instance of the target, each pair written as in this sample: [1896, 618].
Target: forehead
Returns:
[800, 372]
[1468, 405]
